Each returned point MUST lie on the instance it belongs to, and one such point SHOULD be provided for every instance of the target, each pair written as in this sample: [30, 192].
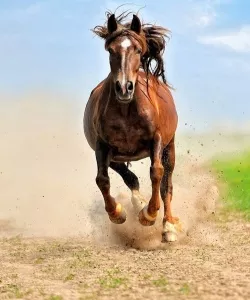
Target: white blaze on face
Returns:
[124, 44]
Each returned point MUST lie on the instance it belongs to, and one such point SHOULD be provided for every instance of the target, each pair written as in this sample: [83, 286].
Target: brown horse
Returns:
[131, 115]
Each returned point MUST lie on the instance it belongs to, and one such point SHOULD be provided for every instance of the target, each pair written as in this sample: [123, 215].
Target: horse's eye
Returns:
[138, 51]
[111, 51]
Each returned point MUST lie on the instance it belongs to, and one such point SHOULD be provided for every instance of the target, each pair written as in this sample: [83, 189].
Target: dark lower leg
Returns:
[132, 182]
[103, 182]
[128, 177]
[156, 173]
[168, 161]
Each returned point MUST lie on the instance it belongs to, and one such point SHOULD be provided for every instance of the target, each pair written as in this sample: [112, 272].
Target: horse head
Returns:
[132, 46]
[126, 48]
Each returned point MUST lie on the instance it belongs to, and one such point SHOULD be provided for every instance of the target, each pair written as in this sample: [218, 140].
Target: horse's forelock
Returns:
[129, 33]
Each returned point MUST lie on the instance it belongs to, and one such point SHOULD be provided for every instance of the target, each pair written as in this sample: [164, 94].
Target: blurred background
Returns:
[49, 63]
[46, 47]
[56, 240]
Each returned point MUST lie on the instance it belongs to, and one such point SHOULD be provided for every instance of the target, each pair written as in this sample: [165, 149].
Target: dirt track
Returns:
[56, 238]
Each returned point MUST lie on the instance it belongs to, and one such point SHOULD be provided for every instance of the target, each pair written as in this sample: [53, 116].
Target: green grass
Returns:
[69, 277]
[160, 282]
[185, 289]
[235, 173]
[55, 297]
[14, 291]
[112, 279]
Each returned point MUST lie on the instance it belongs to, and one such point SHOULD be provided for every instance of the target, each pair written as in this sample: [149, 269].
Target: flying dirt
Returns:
[53, 223]
[48, 178]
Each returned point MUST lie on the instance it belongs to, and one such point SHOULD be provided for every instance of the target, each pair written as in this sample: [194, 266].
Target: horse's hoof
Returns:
[137, 201]
[119, 216]
[145, 219]
[169, 233]
[169, 237]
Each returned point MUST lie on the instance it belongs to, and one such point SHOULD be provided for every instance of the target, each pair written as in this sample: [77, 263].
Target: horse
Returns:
[131, 115]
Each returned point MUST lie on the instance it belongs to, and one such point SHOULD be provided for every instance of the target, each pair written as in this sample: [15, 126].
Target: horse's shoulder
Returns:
[96, 88]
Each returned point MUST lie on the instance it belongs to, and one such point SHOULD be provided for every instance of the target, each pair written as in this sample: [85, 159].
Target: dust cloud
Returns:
[47, 179]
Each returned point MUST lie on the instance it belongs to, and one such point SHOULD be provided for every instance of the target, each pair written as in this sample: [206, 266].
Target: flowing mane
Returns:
[151, 37]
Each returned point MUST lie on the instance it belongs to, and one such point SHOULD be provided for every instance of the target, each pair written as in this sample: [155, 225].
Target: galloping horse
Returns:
[131, 115]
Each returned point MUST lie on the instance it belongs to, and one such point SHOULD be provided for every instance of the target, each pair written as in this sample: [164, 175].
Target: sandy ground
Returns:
[56, 241]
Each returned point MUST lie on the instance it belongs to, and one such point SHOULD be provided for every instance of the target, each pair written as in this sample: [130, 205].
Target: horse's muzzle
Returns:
[124, 92]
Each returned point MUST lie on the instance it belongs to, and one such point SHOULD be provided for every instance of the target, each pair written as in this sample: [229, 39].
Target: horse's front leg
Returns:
[148, 214]
[171, 225]
[115, 211]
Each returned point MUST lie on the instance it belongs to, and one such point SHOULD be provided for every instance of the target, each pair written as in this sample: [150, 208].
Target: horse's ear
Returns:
[136, 24]
[112, 24]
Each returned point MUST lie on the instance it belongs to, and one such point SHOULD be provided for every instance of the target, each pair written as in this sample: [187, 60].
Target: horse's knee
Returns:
[156, 173]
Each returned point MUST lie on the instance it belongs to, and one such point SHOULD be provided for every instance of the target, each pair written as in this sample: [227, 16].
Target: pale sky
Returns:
[48, 45]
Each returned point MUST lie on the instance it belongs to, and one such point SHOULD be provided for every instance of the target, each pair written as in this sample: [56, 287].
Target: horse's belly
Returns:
[125, 157]
[128, 142]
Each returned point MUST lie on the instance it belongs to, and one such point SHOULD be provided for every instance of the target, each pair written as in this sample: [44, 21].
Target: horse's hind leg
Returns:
[132, 182]
[169, 233]
[115, 211]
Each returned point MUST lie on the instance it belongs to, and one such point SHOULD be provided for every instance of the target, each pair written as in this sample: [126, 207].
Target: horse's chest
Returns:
[128, 135]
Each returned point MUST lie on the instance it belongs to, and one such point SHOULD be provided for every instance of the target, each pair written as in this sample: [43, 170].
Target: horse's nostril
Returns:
[118, 87]
[130, 86]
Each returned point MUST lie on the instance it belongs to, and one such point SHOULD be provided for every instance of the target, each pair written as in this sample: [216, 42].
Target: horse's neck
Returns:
[147, 91]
